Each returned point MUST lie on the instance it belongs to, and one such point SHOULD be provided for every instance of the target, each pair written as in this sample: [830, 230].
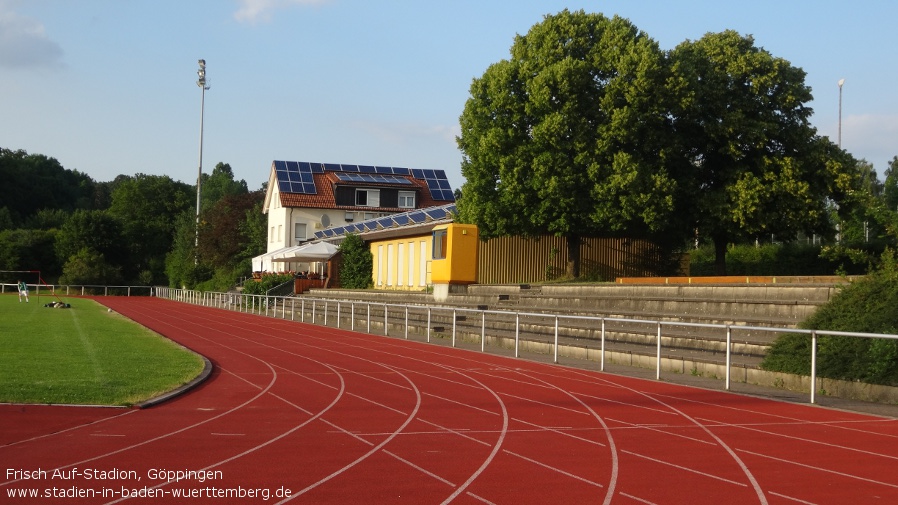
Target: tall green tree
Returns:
[33, 181]
[95, 230]
[567, 137]
[219, 184]
[754, 165]
[148, 207]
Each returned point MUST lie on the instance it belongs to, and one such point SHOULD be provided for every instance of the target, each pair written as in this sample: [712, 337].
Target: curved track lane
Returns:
[340, 417]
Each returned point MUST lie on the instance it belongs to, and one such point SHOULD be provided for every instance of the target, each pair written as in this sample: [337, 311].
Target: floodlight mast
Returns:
[201, 82]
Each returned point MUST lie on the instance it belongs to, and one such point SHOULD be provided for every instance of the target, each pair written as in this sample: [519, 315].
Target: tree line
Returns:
[589, 128]
[136, 229]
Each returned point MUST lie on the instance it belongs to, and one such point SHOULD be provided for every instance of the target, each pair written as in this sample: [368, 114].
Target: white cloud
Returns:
[252, 11]
[24, 42]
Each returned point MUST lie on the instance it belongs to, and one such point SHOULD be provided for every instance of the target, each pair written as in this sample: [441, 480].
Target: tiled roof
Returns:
[325, 177]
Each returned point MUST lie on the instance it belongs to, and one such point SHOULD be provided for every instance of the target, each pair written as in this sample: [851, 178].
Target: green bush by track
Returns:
[869, 305]
[84, 355]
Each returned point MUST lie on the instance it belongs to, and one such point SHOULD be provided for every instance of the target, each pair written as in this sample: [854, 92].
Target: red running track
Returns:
[340, 417]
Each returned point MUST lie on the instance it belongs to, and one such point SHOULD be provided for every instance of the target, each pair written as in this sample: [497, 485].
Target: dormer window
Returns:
[407, 199]
[367, 198]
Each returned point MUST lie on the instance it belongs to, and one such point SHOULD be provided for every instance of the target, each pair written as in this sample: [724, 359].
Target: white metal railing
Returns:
[81, 289]
[268, 305]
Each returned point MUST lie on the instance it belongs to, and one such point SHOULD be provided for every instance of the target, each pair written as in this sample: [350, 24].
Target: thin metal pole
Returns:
[338, 313]
[352, 316]
[483, 331]
[406, 322]
[453, 327]
[386, 327]
[729, 356]
[428, 324]
[813, 367]
[602, 352]
[555, 359]
[658, 358]
[369, 318]
[517, 334]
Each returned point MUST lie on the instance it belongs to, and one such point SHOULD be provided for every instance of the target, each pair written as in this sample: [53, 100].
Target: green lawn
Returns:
[84, 355]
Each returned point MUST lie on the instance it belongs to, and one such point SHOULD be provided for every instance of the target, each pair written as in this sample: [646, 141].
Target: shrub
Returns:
[355, 271]
[869, 305]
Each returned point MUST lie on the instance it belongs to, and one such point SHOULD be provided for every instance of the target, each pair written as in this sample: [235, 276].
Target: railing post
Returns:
[658, 357]
[302, 311]
[293, 310]
[338, 313]
[555, 358]
[314, 320]
[814, 366]
[517, 333]
[453, 327]
[728, 356]
[406, 322]
[386, 327]
[482, 331]
[428, 324]
[368, 318]
[352, 316]
[602, 351]
[325, 312]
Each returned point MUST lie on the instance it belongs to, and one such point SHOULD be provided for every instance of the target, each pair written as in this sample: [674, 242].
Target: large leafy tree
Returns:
[148, 207]
[33, 181]
[754, 165]
[219, 184]
[567, 137]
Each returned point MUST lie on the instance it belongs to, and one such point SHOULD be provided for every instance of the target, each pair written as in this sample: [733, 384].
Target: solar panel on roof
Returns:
[401, 219]
[401, 171]
[386, 222]
[436, 213]
[373, 178]
[294, 177]
[417, 216]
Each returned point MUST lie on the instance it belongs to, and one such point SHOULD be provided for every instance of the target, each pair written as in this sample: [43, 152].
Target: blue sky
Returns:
[108, 87]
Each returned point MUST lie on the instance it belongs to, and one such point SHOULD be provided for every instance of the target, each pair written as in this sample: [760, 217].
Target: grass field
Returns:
[84, 355]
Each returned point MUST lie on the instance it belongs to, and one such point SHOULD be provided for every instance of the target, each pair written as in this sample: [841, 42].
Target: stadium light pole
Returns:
[201, 82]
[841, 82]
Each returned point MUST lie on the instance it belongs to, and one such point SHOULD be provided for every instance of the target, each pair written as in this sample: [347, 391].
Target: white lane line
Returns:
[550, 405]
[792, 498]
[373, 450]
[612, 447]
[554, 469]
[802, 439]
[462, 488]
[825, 470]
[628, 404]
[640, 500]
[692, 470]
[658, 429]
[745, 470]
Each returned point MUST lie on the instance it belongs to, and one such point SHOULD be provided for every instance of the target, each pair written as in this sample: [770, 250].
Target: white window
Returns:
[380, 265]
[400, 264]
[367, 198]
[411, 263]
[389, 264]
[407, 199]
[299, 232]
[271, 235]
[280, 232]
[422, 260]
